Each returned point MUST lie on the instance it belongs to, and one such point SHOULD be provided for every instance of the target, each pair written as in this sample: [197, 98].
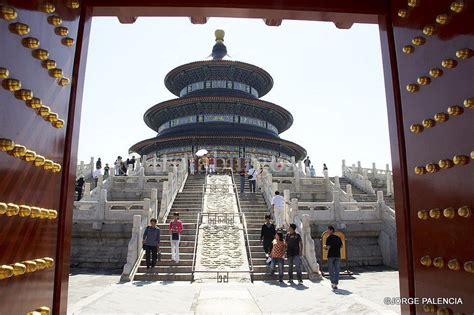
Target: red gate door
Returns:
[38, 40]
[433, 44]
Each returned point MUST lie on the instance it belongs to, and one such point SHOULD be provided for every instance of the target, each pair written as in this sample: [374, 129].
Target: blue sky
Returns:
[331, 80]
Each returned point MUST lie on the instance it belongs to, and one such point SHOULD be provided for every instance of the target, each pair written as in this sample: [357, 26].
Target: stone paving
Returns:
[362, 294]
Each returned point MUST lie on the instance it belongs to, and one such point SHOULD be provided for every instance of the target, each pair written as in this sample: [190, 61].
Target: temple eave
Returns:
[151, 145]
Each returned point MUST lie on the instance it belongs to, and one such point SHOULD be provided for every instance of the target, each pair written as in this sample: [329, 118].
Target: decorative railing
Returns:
[365, 178]
[85, 170]
[104, 210]
[175, 183]
[135, 251]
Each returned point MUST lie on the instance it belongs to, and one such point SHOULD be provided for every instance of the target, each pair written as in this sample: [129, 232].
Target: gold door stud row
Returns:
[9, 13]
[14, 85]
[23, 153]
[449, 63]
[431, 29]
[27, 266]
[43, 310]
[453, 264]
[34, 43]
[441, 117]
[457, 160]
[11, 209]
[450, 213]
[431, 308]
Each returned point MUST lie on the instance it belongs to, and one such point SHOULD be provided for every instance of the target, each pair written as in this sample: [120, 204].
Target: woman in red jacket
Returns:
[176, 227]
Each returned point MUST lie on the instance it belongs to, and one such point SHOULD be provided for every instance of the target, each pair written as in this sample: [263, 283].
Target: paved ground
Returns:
[361, 294]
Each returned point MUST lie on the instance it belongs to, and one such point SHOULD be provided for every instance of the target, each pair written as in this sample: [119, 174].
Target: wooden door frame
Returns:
[342, 13]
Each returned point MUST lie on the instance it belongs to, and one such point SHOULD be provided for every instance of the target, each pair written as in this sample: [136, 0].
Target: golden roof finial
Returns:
[219, 35]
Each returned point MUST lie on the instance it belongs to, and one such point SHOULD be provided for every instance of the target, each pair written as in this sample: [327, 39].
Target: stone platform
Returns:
[361, 294]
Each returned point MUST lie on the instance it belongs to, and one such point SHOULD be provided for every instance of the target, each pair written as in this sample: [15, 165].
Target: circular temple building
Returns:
[219, 110]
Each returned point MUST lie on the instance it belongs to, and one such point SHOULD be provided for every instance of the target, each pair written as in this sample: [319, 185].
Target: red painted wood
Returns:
[20, 181]
[441, 237]
[70, 165]
[398, 150]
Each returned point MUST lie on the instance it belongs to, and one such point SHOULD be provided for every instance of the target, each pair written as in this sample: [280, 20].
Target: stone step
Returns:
[169, 276]
[188, 198]
[184, 218]
[268, 277]
[184, 237]
[166, 243]
[166, 269]
[263, 268]
[186, 231]
[167, 249]
[169, 262]
[182, 256]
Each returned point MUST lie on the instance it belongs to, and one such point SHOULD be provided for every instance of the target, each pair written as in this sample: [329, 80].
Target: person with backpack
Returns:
[151, 243]
[252, 177]
[333, 246]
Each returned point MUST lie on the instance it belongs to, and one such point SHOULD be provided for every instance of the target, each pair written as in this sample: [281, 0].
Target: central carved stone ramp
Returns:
[254, 207]
[188, 203]
[221, 250]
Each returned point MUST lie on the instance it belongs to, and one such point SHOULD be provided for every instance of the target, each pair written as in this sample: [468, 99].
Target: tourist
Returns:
[79, 185]
[132, 162]
[123, 169]
[212, 165]
[312, 171]
[294, 252]
[96, 174]
[176, 227]
[151, 243]
[252, 176]
[278, 209]
[333, 246]
[278, 254]
[98, 164]
[106, 170]
[242, 181]
[307, 162]
[267, 235]
[117, 164]
[192, 165]
[325, 170]
[205, 163]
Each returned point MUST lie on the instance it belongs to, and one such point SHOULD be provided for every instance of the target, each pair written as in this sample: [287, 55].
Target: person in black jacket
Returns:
[333, 246]
[267, 235]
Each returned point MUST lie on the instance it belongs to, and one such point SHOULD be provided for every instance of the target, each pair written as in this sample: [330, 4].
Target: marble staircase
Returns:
[188, 204]
[254, 207]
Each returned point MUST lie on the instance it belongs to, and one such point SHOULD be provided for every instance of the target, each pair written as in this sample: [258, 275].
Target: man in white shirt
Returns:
[96, 174]
[252, 178]
[278, 207]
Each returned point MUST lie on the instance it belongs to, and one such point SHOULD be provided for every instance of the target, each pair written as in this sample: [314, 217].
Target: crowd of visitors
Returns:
[120, 169]
[279, 249]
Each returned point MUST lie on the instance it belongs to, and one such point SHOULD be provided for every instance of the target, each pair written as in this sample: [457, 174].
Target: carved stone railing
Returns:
[103, 210]
[364, 178]
[85, 170]
[135, 251]
[175, 183]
